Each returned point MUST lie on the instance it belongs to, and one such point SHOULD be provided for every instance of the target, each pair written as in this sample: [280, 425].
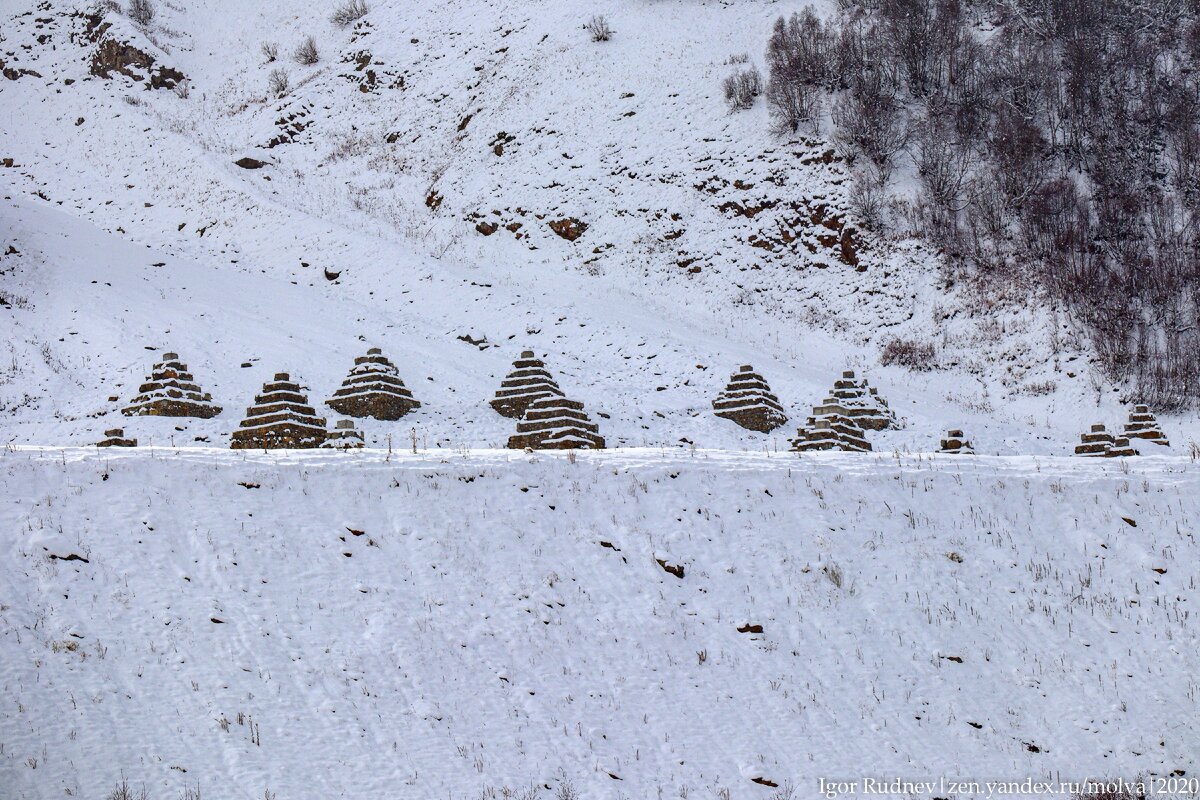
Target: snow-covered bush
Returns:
[141, 11]
[742, 87]
[908, 353]
[307, 53]
[598, 27]
[278, 82]
[348, 12]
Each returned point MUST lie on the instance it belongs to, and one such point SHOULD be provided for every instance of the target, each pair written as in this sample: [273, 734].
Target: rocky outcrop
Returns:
[1143, 425]
[528, 381]
[280, 418]
[748, 401]
[568, 228]
[115, 437]
[956, 443]
[171, 391]
[344, 436]
[112, 55]
[555, 423]
[373, 389]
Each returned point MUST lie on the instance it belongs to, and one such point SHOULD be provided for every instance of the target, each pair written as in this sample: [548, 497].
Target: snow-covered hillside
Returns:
[126, 201]
[420, 626]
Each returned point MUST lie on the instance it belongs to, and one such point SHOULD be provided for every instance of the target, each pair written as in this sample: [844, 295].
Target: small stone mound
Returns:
[956, 443]
[171, 391]
[1143, 425]
[115, 437]
[749, 401]
[373, 389]
[831, 432]
[1120, 448]
[344, 436]
[529, 381]
[553, 422]
[280, 418]
[1097, 442]
[853, 398]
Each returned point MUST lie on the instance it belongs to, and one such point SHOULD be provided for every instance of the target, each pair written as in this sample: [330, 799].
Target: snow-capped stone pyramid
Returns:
[1121, 447]
[528, 381]
[552, 422]
[749, 401]
[1143, 425]
[171, 391]
[373, 389]
[344, 436]
[854, 398]
[115, 437]
[831, 432]
[1096, 442]
[955, 442]
[280, 418]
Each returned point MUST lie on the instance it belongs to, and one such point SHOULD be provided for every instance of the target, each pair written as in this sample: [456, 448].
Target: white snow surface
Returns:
[434, 625]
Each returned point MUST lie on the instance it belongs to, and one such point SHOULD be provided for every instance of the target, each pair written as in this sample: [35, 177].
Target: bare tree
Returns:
[141, 11]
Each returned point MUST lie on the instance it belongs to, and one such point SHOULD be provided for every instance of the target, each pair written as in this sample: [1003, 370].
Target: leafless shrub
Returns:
[278, 82]
[306, 53]
[742, 88]
[598, 27]
[141, 11]
[792, 105]
[190, 792]
[868, 198]
[270, 51]
[908, 353]
[738, 58]
[567, 791]
[123, 791]
[183, 89]
[348, 12]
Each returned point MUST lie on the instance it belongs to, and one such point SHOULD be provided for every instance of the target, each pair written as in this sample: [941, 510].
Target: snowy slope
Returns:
[351, 626]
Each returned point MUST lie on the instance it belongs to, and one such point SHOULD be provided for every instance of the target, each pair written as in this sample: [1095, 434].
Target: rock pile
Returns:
[1098, 442]
[853, 398]
[373, 389]
[553, 422]
[955, 443]
[749, 401]
[1143, 425]
[280, 418]
[344, 436]
[115, 437]
[528, 382]
[171, 391]
[831, 431]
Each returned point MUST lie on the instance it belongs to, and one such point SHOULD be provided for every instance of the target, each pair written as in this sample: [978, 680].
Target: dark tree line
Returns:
[1057, 140]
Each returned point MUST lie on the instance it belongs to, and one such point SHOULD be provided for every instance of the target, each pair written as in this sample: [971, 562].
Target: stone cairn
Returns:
[171, 391]
[115, 437]
[280, 418]
[1143, 425]
[841, 419]
[1098, 442]
[552, 422]
[831, 432]
[344, 436]
[749, 401]
[955, 443]
[373, 389]
[528, 381]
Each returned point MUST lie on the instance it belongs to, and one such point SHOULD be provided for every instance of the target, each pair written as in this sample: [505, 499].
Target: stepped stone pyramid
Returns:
[1098, 442]
[749, 401]
[115, 437]
[955, 443]
[344, 436]
[171, 391]
[853, 398]
[831, 432]
[280, 418]
[1143, 425]
[528, 381]
[552, 422]
[373, 389]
